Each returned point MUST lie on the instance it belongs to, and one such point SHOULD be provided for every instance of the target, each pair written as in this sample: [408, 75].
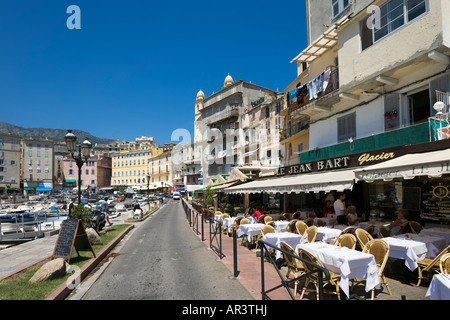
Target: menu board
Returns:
[436, 202]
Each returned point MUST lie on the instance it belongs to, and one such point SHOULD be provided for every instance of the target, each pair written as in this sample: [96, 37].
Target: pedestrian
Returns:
[72, 203]
[105, 209]
[339, 209]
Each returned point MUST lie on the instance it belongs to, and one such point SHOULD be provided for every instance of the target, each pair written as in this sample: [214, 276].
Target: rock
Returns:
[94, 238]
[51, 270]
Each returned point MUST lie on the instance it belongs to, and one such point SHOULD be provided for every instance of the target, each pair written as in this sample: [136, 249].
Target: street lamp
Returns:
[80, 157]
[148, 183]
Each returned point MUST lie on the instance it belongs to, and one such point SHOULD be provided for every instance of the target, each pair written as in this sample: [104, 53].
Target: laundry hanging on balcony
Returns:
[318, 86]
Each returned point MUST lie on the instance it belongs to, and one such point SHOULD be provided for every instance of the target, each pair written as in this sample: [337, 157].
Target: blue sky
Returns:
[135, 67]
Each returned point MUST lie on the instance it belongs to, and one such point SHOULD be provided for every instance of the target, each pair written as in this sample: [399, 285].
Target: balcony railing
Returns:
[332, 85]
[229, 112]
[289, 132]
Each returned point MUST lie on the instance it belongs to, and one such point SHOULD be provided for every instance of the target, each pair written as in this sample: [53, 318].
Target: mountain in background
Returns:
[56, 135]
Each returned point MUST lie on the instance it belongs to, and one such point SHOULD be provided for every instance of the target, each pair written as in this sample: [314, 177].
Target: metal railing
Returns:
[21, 229]
[215, 237]
[322, 273]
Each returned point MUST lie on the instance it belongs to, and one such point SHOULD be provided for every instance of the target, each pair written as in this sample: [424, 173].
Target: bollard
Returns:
[236, 272]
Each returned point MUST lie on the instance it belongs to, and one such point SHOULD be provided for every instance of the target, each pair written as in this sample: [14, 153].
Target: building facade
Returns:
[10, 165]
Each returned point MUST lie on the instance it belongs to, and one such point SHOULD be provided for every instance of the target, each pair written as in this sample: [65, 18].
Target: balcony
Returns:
[317, 100]
[412, 135]
[229, 112]
[292, 131]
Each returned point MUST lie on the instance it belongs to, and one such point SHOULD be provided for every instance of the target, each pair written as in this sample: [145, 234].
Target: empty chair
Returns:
[384, 232]
[380, 250]
[404, 228]
[444, 264]
[296, 215]
[291, 226]
[346, 240]
[296, 267]
[265, 230]
[237, 222]
[370, 229]
[321, 223]
[430, 265]
[261, 218]
[311, 234]
[283, 216]
[267, 219]
[301, 227]
[363, 237]
[313, 276]
[415, 227]
[271, 223]
[348, 230]
[245, 221]
[309, 221]
[222, 218]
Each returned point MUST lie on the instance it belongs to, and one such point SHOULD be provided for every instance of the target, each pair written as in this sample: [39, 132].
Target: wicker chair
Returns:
[380, 250]
[271, 223]
[384, 232]
[301, 228]
[363, 237]
[415, 227]
[321, 223]
[237, 222]
[309, 221]
[296, 267]
[265, 230]
[245, 221]
[444, 264]
[261, 218]
[222, 218]
[311, 234]
[346, 240]
[370, 229]
[291, 226]
[267, 219]
[350, 230]
[284, 216]
[404, 228]
[296, 215]
[430, 265]
[313, 276]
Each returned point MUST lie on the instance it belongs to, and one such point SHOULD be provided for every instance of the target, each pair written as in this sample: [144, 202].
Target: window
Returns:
[337, 6]
[346, 127]
[391, 16]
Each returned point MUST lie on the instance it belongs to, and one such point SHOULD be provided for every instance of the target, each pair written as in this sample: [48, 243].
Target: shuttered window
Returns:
[346, 127]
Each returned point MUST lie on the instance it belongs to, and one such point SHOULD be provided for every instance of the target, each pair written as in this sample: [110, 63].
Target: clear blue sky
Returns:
[135, 67]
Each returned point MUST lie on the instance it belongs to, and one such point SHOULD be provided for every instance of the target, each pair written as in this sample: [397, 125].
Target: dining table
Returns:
[412, 251]
[376, 224]
[281, 225]
[434, 244]
[330, 221]
[250, 230]
[348, 263]
[228, 223]
[439, 288]
[292, 239]
[437, 232]
[327, 234]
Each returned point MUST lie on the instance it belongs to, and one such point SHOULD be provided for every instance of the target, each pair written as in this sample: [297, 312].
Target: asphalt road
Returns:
[162, 259]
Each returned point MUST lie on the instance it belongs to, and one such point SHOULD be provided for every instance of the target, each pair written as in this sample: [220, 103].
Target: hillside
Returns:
[53, 134]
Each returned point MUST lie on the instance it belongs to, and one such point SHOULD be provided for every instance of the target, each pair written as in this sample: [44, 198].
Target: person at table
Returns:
[339, 209]
[249, 212]
[352, 216]
[258, 213]
[402, 217]
[327, 208]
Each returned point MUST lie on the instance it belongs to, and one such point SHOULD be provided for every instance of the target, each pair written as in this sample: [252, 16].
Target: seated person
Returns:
[327, 208]
[352, 216]
[258, 213]
[402, 217]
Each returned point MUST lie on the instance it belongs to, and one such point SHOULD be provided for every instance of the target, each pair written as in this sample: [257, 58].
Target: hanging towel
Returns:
[293, 94]
[326, 79]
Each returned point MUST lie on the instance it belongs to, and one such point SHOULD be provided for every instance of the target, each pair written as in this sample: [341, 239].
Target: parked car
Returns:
[176, 196]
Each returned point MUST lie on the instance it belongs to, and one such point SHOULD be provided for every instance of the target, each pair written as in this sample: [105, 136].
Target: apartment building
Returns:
[10, 168]
[37, 165]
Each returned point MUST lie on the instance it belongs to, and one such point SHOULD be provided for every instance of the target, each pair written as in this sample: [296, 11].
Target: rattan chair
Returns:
[384, 232]
[267, 219]
[370, 229]
[313, 275]
[245, 237]
[237, 222]
[380, 250]
[430, 265]
[296, 215]
[309, 221]
[283, 216]
[222, 218]
[311, 234]
[404, 228]
[271, 223]
[321, 223]
[346, 240]
[363, 237]
[265, 230]
[301, 228]
[291, 226]
[261, 218]
[444, 264]
[350, 230]
[294, 266]
[415, 227]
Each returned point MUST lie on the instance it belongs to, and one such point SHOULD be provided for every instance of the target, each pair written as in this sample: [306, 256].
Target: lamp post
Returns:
[148, 185]
[80, 157]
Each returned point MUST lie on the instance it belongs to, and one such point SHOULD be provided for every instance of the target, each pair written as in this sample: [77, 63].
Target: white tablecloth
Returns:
[434, 244]
[409, 250]
[228, 224]
[327, 234]
[281, 225]
[437, 232]
[364, 225]
[349, 264]
[251, 230]
[275, 239]
[439, 288]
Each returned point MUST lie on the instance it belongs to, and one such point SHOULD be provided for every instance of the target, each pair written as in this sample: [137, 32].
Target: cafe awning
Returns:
[431, 164]
[326, 181]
